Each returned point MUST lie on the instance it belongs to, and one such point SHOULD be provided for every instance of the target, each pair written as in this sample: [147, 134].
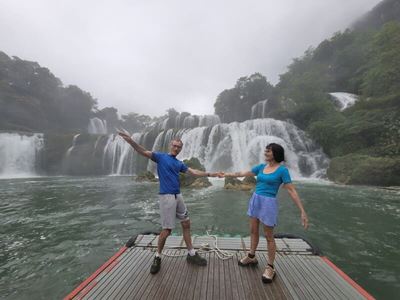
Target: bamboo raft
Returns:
[302, 273]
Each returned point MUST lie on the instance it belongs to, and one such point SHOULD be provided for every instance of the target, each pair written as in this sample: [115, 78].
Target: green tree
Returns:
[383, 74]
[135, 122]
[235, 104]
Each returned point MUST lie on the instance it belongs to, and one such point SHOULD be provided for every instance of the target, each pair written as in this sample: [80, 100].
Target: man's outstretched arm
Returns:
[140, 149]
[199, 173]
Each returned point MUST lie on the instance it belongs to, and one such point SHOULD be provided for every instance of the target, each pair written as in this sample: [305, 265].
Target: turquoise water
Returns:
[56, 231]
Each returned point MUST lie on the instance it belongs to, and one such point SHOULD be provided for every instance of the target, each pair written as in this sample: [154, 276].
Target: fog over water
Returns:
[167, 53]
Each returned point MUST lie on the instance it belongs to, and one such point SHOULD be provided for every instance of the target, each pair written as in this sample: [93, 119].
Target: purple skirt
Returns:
[263, 208]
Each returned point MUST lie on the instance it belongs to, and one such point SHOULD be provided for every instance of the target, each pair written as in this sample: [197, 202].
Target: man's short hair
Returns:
[177, 140]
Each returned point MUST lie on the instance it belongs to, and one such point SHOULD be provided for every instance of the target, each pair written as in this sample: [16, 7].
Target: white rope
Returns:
[205, 248]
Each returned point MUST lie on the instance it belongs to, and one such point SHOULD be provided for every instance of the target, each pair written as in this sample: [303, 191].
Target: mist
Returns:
[146, 57]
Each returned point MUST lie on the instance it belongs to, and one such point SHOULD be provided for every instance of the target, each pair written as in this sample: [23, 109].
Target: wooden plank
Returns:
[336, 281]
[247, 282]
[287, 288]
[211, 278]
[164, 279]
[303, 276]
[181, 276]
[320, 285]
[108, 280]
[291, 276]
[190, 282]
[278, 288]
[140, 276]
[285, 245]
[120, 277]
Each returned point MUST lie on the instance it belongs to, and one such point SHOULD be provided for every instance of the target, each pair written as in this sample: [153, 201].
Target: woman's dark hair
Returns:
[277, 151]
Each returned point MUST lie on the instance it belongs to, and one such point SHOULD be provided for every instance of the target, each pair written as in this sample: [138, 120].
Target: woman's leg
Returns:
[254, 234]
[269, 235]
[250, 259]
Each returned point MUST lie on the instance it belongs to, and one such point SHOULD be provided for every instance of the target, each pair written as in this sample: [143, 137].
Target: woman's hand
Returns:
[219, 174]
[304, 219]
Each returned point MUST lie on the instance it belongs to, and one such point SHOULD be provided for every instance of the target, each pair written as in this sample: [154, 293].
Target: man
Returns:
[170, 198]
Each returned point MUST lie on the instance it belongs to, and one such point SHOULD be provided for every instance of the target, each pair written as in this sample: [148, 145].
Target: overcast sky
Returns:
[147, 56]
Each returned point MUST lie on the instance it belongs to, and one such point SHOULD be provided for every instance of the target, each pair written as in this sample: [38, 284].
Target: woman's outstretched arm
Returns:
[296, 199]
[240, 174]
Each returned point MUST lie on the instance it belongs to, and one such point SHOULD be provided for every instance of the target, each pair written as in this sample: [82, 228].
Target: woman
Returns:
[263, 205]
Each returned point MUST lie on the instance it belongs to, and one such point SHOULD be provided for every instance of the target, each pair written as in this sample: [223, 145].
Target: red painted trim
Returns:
[86, 290]
[111, 266]
[354, 284]
[95, 274]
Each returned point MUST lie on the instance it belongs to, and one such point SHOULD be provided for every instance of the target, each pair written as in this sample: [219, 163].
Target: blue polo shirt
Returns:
[268, 184]
[168, 168]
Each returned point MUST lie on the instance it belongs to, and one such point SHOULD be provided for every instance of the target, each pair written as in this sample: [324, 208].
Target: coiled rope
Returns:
[205, 248]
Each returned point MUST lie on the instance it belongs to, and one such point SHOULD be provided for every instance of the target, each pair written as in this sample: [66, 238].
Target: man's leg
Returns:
[183, 215]
[193, 257]
[186, 234]
[164, 234]
[167, 214]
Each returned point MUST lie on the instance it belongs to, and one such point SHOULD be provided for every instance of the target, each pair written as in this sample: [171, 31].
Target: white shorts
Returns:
[172, 207]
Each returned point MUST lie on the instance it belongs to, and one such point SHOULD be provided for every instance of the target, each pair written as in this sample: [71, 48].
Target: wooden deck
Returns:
[300, 273]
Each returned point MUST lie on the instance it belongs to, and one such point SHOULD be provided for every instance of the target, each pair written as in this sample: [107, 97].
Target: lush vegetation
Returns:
[33, 99]
[235, 104]
[363, 60]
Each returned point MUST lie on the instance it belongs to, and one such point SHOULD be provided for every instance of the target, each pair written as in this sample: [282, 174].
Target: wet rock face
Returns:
[365, 170]
[146, 177]
[201, 182]
[247, 184]
[188, 180]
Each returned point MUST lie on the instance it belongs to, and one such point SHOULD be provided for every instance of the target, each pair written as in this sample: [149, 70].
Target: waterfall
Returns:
[208, 120]
[344, 100]
[97, 126]
[259, 110]
[239, 146]
[227, 147]
[18, 154]
[119, 157]
[70, 149]
[188, 121]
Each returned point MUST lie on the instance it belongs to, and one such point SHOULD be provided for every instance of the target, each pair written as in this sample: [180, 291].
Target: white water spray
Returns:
[344, 100]
[97, 126]
[18, 154]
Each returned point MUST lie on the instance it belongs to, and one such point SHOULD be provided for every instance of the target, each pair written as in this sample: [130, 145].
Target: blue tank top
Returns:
[268, 184]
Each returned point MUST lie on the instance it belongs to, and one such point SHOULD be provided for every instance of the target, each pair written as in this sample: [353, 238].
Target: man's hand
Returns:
[219, 174]
[125, 136]
[140, 149]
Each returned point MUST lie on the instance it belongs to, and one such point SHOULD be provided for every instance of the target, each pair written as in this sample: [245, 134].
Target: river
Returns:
[56, 231]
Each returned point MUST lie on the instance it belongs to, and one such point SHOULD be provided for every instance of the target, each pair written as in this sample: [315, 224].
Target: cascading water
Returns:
[226, 147]
[70, 149]
[259, 110]
[18, 154]
[238, 146]
[97, 126]
[190, 121]
[119, 157]
[344, 100]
